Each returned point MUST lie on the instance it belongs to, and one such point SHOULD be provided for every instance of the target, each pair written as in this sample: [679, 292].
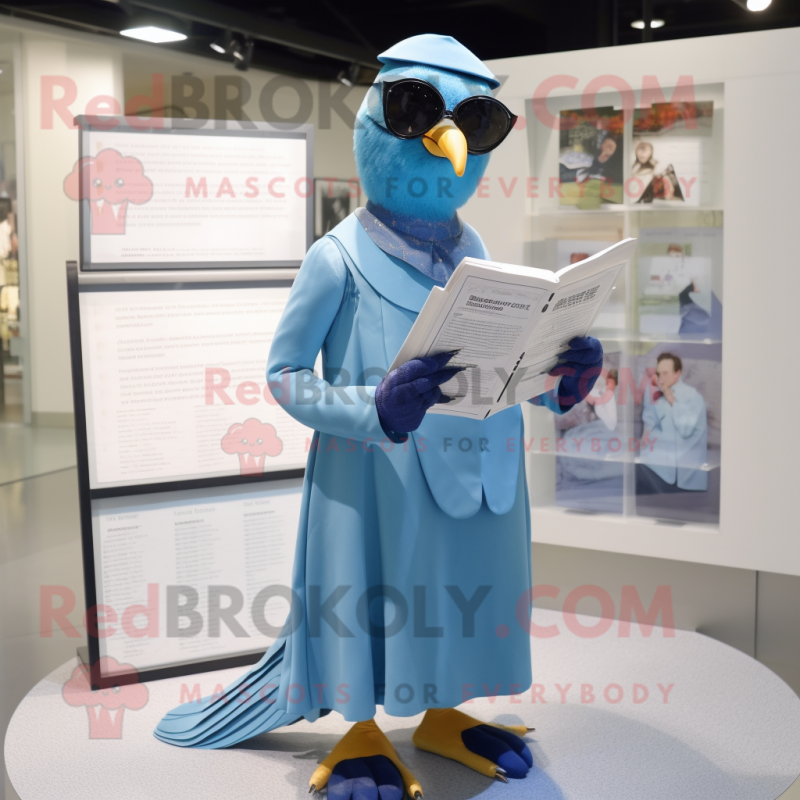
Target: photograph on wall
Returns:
[680, 282]
[593, 445]
[677, 470]
[671, 154]
[334, 200]
[205, 197]
[590, 157]
[9, 303]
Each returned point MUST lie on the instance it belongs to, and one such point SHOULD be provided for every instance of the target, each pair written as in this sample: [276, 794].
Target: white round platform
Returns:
[729, 730]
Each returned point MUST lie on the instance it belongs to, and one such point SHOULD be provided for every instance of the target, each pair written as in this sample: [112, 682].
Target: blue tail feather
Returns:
[246, 708]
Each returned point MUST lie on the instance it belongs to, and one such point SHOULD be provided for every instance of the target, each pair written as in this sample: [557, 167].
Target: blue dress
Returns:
[412, 570]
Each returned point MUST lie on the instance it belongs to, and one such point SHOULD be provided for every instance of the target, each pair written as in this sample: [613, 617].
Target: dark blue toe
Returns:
[387, 778]
[352, 780]
[373, 778]
[516, 743]
[482, 741]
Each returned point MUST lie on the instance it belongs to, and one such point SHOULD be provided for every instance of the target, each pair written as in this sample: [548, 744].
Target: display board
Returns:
[182, 196]
[217, 564]
[175, 381]
[190, 471]
[646, 443]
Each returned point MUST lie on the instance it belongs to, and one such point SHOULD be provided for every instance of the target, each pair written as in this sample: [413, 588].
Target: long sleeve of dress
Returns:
[346, 411]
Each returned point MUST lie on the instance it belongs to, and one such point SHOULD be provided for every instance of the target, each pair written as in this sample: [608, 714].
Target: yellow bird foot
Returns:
[364, 759]
[496, 751]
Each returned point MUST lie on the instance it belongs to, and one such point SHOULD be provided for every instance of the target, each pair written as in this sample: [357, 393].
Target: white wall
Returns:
[52, 218]
[121, 69]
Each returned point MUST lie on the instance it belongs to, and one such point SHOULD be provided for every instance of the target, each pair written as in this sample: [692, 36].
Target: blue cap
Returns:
[434, 50]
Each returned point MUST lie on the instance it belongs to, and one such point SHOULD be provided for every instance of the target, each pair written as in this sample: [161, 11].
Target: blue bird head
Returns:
[403, 175]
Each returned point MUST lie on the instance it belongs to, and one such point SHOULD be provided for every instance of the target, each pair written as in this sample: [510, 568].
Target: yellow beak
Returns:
[446, 141]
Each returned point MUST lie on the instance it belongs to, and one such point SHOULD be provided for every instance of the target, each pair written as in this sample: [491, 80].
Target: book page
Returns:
[487, 319]
[509, 323]
[570, 313]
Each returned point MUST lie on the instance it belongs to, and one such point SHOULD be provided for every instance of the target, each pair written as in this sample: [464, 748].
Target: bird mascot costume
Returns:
[413, 564]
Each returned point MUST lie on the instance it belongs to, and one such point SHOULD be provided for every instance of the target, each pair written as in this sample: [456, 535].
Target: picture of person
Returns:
[679, 283]
[694, 318]
[590, 157]
[675, 433]
[671, 282]
[7, 233]
[663, 186]
[602, 166]
[602, 399]
[592, 449]
[644, 164]
[335, 208]
[334, 201]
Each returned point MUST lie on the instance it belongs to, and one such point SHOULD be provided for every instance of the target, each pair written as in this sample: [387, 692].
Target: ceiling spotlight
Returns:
[154, 28]
[222, 44]
[349, 76]
[151, 33]
[242, 53]
[753, 5]
[654, 23]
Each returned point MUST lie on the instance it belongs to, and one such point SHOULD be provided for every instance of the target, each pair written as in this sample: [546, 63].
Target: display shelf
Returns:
[560, 525]
[633, 337]
[712, 463]
[689, 139]
[619, 209]
[666, 304]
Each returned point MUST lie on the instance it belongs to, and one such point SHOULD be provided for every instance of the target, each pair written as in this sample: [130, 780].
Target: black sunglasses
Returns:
[411, 107]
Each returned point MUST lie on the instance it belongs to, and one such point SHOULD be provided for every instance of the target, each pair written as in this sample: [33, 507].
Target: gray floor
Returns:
[28, 451]
[40, 546]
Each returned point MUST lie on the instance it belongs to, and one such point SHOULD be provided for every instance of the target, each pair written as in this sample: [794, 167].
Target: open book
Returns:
[510, 324]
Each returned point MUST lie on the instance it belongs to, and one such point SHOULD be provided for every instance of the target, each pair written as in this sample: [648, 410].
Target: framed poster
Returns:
[181, 196]
[334, 199]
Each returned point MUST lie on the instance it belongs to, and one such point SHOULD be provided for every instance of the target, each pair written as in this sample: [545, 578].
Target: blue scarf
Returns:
[434, 247]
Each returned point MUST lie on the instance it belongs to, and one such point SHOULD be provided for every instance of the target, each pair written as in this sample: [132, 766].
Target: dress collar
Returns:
[434, 247]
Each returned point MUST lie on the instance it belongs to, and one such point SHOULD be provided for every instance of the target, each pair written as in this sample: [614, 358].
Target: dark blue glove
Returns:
[373, 778]
[580, 367]
[406, 393]
[504, 748]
